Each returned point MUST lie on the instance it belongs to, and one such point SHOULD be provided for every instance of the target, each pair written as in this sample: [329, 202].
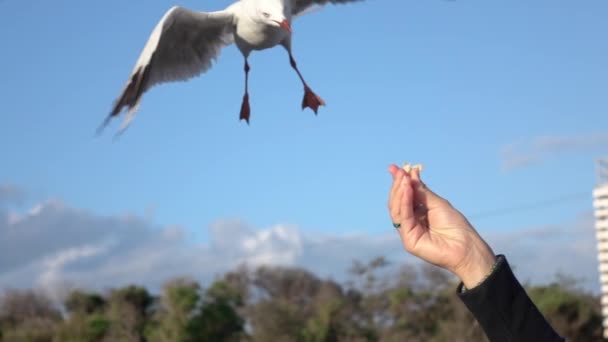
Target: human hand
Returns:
[433, 230]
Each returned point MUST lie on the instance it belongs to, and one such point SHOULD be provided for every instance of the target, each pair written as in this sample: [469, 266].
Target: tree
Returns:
[281, 304]
[381, 303]
[219, 319]
[573, 313]
[86, 319]
[27, 315]
[292, 304]
[174, 317]
[127, 312]
[83, 302]
[93, 327]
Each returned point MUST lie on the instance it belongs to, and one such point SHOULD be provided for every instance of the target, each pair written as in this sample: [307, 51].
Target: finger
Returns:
[404, 183]
[395, 200]
[392, 169]
[406, 205]
[397, 174]
[423, 194]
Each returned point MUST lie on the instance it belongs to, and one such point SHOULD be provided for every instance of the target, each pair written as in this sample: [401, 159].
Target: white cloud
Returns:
[539, 253]
[52, 279]
[57, 247]
[277, 244]
[539, 149]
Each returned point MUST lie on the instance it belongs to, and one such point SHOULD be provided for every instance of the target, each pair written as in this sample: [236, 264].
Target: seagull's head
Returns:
[275, 18]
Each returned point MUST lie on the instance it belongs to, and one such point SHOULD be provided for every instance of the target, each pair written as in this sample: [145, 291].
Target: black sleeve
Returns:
[503, 309]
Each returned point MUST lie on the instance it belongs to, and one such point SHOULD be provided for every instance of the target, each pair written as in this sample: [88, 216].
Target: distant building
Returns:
[600, 205]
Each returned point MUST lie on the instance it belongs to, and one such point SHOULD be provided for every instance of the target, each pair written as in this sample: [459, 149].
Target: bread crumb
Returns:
[408, 167]
[418, 166]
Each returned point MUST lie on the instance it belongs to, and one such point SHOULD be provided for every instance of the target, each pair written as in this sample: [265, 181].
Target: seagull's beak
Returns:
[284, 24]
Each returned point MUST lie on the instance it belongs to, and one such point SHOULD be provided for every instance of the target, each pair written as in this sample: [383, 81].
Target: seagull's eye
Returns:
[266, 14]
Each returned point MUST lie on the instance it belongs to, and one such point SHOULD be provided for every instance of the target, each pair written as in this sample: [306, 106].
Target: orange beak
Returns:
[285, 24]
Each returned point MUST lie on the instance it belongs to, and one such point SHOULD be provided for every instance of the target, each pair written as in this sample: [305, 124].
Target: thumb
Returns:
[425, 195]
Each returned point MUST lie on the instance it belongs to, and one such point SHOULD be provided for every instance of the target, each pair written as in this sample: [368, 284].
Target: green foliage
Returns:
[174, 320]
[574, 313]
[127, 313]
[285, 304]
[135, 296]
[182, 298]
[27, 315]
[84, 327]
[33, 330]
[97, 327]
[218, 319]
[321, 327]
[82, 302]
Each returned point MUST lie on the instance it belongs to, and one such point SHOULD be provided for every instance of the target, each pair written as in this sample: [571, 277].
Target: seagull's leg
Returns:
[245, 110]
[311, 99]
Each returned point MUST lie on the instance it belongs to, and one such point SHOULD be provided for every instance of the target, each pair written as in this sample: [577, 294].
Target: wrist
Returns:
[478, 265]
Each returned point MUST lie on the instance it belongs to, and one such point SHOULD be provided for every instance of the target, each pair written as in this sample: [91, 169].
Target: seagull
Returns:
[185, 43]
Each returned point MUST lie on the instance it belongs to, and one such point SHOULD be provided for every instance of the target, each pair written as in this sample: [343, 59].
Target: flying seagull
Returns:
[185, 43]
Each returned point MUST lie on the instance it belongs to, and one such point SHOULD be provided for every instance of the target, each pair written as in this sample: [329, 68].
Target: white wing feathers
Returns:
[183, 45]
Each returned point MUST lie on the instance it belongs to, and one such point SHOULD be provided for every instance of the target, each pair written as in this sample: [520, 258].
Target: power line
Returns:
[530, 206]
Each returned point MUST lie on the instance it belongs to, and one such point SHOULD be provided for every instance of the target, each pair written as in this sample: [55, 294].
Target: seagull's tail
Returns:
[123, 126]
[129, 98]
[126, 122]
[103, 125]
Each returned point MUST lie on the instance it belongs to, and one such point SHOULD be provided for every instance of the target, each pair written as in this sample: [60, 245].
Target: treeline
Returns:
[415, 303]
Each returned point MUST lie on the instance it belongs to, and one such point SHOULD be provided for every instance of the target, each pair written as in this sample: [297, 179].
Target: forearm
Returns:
[504, 310]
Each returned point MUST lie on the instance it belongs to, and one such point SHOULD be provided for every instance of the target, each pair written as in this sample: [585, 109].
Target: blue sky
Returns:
[503, 102]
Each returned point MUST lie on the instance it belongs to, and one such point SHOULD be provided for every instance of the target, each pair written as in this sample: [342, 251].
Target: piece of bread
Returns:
[407, 167]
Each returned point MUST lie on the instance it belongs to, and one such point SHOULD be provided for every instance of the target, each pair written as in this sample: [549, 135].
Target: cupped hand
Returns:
[434, 231]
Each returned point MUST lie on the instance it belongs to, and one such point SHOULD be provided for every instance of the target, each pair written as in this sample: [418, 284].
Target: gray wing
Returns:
[299, 6]
[183, 45]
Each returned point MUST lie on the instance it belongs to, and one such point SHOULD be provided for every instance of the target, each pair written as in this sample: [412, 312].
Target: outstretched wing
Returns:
[183, 45]
[299, 6]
